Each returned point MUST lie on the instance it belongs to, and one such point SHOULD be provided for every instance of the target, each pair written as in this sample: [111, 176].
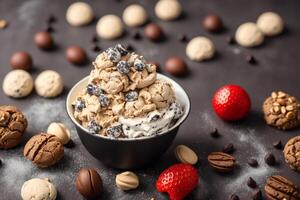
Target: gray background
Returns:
[278, 69]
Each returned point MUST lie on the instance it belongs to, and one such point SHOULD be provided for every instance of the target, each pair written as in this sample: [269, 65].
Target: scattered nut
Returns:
[61, 131]
[3, 23]
[127, 181]
[185, 155]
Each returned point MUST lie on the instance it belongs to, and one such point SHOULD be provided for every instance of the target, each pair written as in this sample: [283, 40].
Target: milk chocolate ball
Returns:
[153, 32]
[176, 66]
[212, 23]
[43, 40]
[21, 60]
[76, 55]
[89, 183]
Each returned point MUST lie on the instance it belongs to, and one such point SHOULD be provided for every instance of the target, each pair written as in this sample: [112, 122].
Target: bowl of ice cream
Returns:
[126, 114]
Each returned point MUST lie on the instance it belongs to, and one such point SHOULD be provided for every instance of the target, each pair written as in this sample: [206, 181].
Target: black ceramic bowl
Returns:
[128, 153]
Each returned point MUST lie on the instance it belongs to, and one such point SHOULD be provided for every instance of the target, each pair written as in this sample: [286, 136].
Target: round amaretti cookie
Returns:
[44, 150]
[17, 84]
[292, 153]
[38, 189]
[135, 15]
[280, 188]
[168, 10]
[249, 35]
[12, 126]
[49, 84]
[79, 14]
[199, 49]
[110, 27]
[282, 111]
[270, 23]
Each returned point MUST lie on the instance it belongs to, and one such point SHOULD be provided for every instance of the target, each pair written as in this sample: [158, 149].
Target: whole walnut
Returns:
[12, 126]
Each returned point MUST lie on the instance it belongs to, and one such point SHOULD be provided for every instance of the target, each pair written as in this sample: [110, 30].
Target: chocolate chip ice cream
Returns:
[124, 98]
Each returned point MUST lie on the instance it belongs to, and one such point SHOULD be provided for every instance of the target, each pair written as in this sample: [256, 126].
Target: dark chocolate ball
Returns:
[153, 32]
[43, 40]
[176, 66]
[21, 60]
[212, 23]
[76, 55]
[89, 183]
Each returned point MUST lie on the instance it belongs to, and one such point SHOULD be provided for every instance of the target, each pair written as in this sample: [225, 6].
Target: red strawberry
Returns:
[231, 102]
[178, 181]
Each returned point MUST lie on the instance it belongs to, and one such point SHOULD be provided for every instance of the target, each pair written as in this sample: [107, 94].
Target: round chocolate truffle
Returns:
[21, 60]
[43, 40]
[76, 55]
[176, 66]
[212, 23]
[89, 183]
[153, 32]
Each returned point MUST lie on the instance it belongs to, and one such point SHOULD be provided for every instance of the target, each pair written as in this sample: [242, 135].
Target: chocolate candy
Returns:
[176, 66]
[277, 144]
[89, 183]
[21, 60]
[251, 183]
[76, 55]
[252, 162]
[221, 162]
[270, 159]
[278, 187]
[234, 197]
[153, 32]
[229, 148]
[215, 133]
[257, 195]
[43, 40]
[212, 23]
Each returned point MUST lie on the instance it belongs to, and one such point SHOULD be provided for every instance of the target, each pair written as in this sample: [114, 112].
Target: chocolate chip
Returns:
[94, 127]
[153, 32]
[215, 133]
[104, 100]
[131, 96]
[123, 67]
[139, 64]
[251, 59]
[122, 50]
[212, 23]
[252, 162]
[70, 144]
[129, 47]
[76, 55]
[183, 38]
[79, 105]
[137, 36]
[277, 144]
[270, 159]
[176, 66]
[234, 197]
[51, 19]
[251, 183]
[113, 54]
[1, 163]
[229, 148]
[43, 40]
[115, 131]
[49, 29]
[94, 39]
[21, 60]
[230, 40]
[257, 195]
[96, 48]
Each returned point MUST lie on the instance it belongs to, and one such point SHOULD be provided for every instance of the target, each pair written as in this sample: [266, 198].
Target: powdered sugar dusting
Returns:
[246, 137]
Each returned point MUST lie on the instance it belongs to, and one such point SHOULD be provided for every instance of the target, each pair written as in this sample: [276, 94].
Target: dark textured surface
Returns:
[278, 68]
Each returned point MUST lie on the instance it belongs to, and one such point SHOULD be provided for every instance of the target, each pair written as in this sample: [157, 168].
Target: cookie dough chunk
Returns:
[270, 23]
[44, 150]
[292, 153]
[61, 131]
[38, 189]
[249, 35]
[79, 14]
[168, 9]
[49, 84]
[109, 27]
[134, 15]
[200, 48]
[12, 126]
[282, 111]
[280, 188]
[17, 84]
